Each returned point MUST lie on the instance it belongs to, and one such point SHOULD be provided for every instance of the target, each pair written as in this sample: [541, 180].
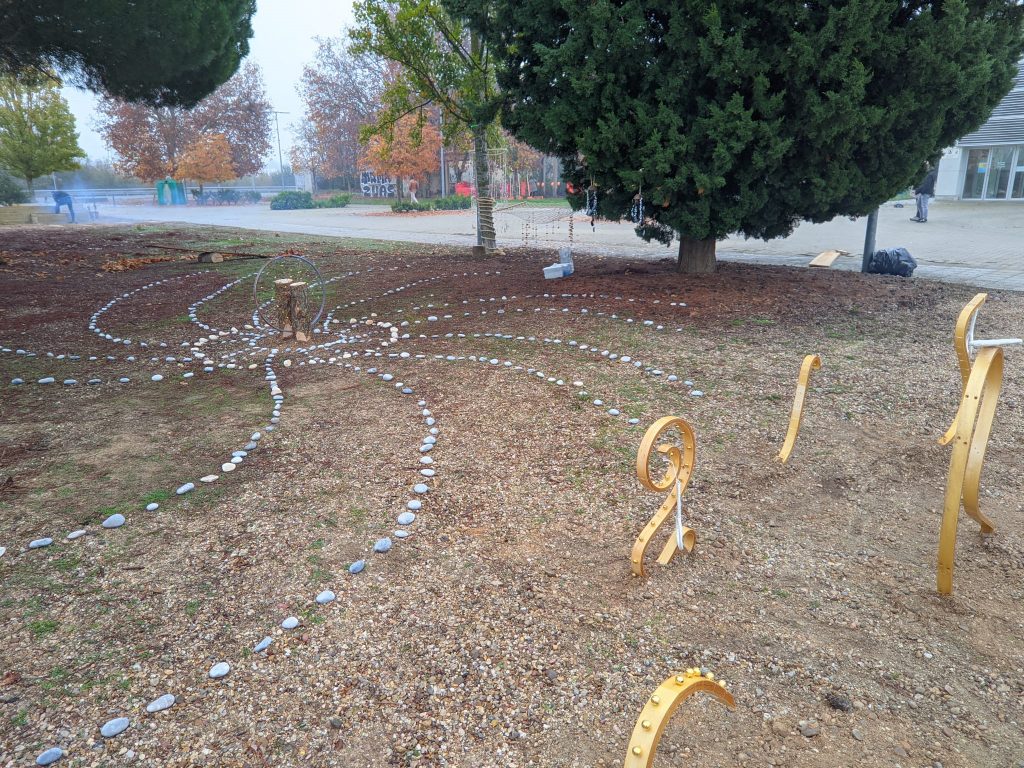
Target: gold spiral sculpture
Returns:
[675, 480]
[970, 438]
[796, 417]
[969, 433]
[961, 343]
[665, 700]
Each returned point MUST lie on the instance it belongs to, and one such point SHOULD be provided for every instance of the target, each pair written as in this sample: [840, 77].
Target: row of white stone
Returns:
[118, 725]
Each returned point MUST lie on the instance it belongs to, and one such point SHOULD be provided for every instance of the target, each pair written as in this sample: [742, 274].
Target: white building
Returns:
[989, 163]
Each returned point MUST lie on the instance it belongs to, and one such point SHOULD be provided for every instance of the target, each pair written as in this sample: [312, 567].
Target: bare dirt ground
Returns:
[506, 630]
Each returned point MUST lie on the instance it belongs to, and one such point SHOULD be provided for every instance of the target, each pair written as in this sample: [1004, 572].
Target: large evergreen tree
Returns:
[37, 130]
[746, 116]
[163, 52]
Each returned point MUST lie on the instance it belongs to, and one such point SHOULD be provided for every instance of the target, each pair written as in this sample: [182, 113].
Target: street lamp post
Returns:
[280, 157]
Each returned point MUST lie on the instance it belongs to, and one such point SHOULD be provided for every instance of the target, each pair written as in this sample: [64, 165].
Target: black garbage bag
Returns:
[892, 261]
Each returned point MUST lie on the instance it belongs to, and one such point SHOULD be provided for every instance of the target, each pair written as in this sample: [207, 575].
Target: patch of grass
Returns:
[21, 719]
[33, 605]
[192, 607]
[42, 628]
[56, 680]
[318, 544]
[358, 514]
[311, 617]
[319, 572]
[70, 562]
[156, 496]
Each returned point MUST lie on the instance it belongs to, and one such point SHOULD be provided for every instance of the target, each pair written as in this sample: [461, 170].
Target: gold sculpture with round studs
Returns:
[796, 417]
[969, 433]
[964, 328]
[973, 426]
[643, 744]
[676, 478]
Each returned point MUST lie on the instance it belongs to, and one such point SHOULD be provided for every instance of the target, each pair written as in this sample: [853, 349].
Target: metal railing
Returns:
[124, 194]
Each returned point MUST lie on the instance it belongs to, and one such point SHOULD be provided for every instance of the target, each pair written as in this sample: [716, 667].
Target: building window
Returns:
[974, 179]
[995, 173]
[1000, 167]
[1017, 190]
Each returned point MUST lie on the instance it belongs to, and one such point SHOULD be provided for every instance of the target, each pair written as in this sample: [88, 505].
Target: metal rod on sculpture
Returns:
[965, 345]
[679, 514]
[677, 476]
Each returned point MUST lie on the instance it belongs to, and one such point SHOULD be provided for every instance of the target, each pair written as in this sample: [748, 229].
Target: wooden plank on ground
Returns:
[825, 258]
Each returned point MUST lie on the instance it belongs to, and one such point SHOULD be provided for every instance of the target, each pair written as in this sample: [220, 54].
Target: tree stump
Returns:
[298, 311]
[282, 306]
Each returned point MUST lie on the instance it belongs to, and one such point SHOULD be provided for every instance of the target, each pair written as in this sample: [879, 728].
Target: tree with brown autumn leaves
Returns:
[342, 93]
[208, 158]
[150, 142]
[410, 152]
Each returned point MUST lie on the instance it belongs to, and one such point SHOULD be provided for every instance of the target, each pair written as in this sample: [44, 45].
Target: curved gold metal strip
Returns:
[963, 353]
[978, 404]
[643, 744]
[675, 480]
[811, 363]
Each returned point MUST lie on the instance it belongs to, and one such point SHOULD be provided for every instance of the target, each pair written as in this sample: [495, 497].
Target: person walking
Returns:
[924, 191]
[60, 198]
[414, 187]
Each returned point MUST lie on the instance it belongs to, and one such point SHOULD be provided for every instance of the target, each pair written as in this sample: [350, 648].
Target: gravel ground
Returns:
[506, 630]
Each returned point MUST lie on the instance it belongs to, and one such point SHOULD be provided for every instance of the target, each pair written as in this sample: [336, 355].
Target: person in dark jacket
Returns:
[63, 198]
[924, 191]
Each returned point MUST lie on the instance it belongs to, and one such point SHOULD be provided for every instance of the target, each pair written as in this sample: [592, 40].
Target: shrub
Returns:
[334, 201]
[406, 207]
[452, 203]
[291, 201]
[10, 192]
[228, 197]
[251, 196]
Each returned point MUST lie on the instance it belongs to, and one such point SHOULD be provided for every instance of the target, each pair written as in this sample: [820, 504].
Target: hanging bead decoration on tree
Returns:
[636, 212]
[591, 209]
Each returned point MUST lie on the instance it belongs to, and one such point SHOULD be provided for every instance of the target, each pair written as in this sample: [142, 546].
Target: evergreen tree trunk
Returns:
[696, 257]
[485, 233]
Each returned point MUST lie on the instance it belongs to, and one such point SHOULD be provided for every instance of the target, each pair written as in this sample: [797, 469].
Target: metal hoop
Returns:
[319, 281]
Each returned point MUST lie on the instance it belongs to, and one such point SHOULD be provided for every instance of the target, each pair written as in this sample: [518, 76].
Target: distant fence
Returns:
[136, 195]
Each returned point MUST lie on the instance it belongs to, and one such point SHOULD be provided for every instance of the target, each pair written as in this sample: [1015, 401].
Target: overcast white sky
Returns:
[282, 43]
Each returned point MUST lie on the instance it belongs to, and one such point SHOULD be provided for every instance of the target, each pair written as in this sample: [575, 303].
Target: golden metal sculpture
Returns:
[970, 441]
[963, 339]
[643, 744]
[811, 363]
[675, 480]
[969, 432]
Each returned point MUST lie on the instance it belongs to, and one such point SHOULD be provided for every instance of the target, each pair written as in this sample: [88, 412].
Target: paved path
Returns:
[978, 244]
